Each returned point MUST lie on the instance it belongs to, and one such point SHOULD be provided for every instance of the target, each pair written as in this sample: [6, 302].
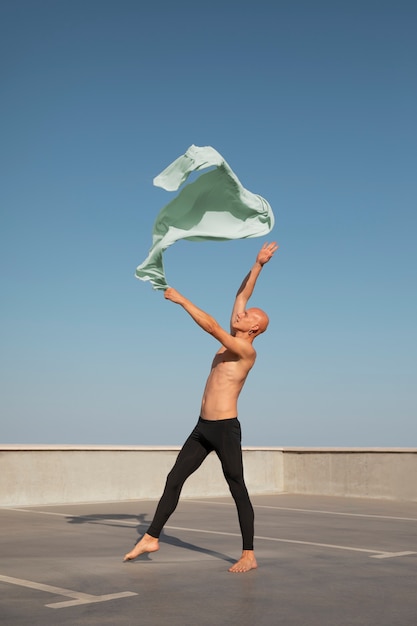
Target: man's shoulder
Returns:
[246, 349]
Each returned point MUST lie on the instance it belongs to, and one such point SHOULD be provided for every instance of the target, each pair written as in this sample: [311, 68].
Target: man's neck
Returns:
[240, 334]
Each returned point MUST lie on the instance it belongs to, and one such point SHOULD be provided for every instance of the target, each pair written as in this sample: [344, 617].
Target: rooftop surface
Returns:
[323, 561]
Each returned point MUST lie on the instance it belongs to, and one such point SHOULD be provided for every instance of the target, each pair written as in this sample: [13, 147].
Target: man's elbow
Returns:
[212, 327]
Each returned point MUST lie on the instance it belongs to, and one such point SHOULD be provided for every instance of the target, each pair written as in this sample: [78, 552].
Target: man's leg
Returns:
[188, 461]
[229, 452]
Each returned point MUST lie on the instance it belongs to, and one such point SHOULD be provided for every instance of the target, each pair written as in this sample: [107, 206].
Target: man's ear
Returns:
[254, 329]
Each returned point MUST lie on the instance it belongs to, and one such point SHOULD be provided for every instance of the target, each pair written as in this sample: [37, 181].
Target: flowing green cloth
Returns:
[215, 206]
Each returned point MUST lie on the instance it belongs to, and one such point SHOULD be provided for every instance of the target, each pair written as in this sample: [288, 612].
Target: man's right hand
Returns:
[173, 295]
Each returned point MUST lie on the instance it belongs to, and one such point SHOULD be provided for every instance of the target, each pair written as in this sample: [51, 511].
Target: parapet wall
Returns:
[388, 473]
[64, 474]
[32, 475]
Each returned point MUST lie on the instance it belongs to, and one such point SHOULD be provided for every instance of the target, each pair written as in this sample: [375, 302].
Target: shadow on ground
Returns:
[142, 525]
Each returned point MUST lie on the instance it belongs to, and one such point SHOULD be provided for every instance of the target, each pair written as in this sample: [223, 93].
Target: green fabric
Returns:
[215, 206]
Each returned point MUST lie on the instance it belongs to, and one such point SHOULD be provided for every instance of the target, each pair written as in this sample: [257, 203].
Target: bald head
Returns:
[261, 319]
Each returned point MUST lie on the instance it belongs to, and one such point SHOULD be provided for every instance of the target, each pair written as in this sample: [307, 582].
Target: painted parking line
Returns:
[317, 511]
[255, 506]
[78, 596]
[373, 552]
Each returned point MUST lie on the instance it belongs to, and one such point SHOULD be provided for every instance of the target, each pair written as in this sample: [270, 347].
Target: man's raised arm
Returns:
[246, 288]
[209, 324]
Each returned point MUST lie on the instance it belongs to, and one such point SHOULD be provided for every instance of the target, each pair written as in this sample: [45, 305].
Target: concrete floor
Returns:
[322, 562]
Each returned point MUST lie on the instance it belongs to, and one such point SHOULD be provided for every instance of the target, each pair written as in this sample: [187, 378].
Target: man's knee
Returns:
[174, 480]
[235, 479]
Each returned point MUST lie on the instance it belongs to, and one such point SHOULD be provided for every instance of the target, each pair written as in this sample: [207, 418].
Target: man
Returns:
[218, 427]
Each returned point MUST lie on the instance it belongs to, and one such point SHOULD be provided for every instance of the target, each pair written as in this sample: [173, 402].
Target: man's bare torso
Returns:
[224, 384]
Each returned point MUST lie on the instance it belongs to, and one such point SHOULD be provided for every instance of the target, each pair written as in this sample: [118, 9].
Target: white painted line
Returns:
[90, 518]
[342, 513]
[390, 555]
[91, 600]
[255, 506]
[319, 511]
[43, 512]
[376, 553]
[79, 597]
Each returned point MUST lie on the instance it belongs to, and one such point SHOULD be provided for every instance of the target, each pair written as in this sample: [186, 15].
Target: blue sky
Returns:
[313, 104]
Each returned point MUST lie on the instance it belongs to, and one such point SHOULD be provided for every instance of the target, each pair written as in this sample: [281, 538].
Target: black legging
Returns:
[224, 437]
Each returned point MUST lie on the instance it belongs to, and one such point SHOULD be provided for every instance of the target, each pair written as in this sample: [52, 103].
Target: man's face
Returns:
[246, 320]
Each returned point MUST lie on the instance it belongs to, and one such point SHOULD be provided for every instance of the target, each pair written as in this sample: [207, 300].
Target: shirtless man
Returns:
[218, 427]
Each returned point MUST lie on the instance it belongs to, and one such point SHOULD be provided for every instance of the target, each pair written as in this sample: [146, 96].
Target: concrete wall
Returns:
[31, 475]
[64, 474]
[373, 473]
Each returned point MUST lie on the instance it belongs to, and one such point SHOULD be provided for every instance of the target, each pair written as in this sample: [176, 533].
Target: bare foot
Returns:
[246, 562]
[146, 544]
